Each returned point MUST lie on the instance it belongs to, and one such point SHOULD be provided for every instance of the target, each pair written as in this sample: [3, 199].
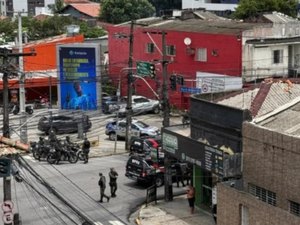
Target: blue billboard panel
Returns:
[77, 77]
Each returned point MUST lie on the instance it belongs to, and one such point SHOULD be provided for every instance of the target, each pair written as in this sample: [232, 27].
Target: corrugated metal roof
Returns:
[277, 17]
[206, 26]
[280, 110]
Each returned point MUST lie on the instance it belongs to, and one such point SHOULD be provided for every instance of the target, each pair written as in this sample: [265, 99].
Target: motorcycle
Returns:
[62, 152]
[41, 103]
[41, 151]
[15, 109]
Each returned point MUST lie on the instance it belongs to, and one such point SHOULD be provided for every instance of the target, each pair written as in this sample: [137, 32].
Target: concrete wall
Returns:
[230, 201]
[271, 161]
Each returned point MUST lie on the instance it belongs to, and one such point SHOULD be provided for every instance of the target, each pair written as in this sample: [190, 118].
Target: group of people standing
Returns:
[113, 176]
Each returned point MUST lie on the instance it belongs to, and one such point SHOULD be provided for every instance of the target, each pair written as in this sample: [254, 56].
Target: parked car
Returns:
[109, 103]
[63, 124]
[138, 129]
[147, 146]
[140, 105]
[145, 170]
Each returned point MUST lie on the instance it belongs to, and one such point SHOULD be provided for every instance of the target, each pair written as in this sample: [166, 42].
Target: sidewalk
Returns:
[175, 212]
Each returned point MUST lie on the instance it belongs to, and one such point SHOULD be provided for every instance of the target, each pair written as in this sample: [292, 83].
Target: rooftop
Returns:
[273, 104]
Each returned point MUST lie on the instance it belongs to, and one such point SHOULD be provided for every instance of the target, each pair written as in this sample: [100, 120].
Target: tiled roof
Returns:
[67, 2]
[9, 146]
[91, 9]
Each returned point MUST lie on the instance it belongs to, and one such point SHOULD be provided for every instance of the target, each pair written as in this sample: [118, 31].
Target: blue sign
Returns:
[77, 77]
[190, 90]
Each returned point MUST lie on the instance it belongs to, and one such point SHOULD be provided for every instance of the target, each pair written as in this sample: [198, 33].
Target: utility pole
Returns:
[6, 180]
[6, 54]
[166, 118]
[23, 131]
[129, 90]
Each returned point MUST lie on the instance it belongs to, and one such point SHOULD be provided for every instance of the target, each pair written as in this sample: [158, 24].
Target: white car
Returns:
[140, 105]
[138, 129]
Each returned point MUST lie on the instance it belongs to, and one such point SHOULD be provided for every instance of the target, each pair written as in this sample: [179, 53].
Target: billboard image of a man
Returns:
[77, 99]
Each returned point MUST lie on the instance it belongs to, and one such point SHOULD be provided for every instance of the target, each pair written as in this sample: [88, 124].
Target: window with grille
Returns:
[263, 194]
[150, 48]
[295, 208]
[277, 56]
[170, 50]
[201, 55]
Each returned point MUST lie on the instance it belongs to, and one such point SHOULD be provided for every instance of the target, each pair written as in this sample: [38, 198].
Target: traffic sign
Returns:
[8, 218]
[190, 90]
[7, 206]
[145, 69]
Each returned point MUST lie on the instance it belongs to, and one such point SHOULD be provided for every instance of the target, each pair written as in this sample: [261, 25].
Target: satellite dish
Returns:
[187, 41]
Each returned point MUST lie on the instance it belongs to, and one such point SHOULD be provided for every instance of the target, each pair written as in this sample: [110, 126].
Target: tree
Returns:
[119, 11]
[57, 6]
[165, 4]
[250, 9]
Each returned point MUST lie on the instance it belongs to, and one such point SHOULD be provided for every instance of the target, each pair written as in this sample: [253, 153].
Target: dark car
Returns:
[149, 171]
[63, 124]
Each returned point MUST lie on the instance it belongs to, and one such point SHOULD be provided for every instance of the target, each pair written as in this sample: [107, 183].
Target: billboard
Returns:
[78, 76]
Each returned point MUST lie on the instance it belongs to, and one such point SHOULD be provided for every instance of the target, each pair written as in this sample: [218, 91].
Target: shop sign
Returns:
[170, 143]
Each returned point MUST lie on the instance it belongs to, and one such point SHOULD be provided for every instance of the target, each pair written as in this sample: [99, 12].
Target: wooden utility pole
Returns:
[6, 55]
[129, 90]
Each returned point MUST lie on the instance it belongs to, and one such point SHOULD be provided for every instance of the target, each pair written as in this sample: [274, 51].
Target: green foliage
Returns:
[253, 8]
[119, 11]
[57, 6]
[7, 30]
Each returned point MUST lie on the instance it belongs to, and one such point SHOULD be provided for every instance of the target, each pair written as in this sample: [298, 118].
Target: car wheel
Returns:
[156, 110]
[159, 180]
[112, 136]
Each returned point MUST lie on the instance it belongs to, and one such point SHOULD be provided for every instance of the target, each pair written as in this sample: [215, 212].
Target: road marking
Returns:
[115, 222]
[98, 223]
[29, 157]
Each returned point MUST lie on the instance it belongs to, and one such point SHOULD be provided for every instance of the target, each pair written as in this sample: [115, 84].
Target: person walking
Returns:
[86, 149]
[179, 175]
[191, 198]
[102, 185]
[113, 175]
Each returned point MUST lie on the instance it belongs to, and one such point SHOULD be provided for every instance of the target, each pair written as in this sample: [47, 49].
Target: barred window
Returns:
[170, 49]
[277, 56]
[150, 48]
[295, 208]
[201, 55]
[263, 194]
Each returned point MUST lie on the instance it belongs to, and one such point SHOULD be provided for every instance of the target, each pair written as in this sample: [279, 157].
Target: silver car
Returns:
[140, 105]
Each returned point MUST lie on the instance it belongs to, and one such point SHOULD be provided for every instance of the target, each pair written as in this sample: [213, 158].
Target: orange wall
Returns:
[45, 58]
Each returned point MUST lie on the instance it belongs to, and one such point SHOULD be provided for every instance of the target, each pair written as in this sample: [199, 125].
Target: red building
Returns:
[193, 45]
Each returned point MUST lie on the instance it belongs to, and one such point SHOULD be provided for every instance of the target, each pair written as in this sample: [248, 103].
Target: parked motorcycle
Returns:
[15, 109]
[62, 152]
[40, 151]
[41, 103]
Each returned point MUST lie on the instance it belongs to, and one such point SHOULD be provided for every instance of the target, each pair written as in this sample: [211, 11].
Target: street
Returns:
[40, 197]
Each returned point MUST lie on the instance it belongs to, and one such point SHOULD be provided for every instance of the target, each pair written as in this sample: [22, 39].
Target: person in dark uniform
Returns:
[86, 149]
[102, 185]
[113, 175]
[179, 175]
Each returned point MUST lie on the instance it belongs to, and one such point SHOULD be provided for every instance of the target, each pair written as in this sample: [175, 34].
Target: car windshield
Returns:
[141, 124]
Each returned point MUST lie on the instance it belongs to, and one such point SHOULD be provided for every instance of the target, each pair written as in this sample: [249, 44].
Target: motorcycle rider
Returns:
[86, 149]
[54, 142]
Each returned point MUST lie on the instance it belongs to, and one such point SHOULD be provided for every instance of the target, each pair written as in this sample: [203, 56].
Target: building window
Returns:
[170, 49]
[201, 55]
[295, 208]
[150, 48]
[277, 56]
[263, 194]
